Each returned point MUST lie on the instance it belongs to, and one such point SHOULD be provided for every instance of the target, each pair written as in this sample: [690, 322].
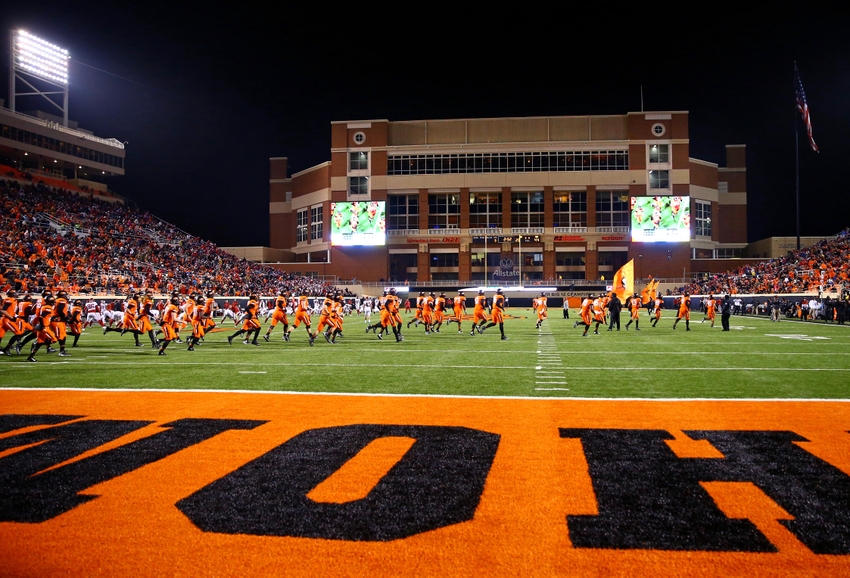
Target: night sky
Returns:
[205, 96]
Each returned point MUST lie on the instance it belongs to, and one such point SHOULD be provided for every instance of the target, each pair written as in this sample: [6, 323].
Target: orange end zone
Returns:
[544, 469]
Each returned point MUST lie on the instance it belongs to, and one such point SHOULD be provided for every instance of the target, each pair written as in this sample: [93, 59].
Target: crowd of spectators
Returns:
[819, 269]
[53, 237]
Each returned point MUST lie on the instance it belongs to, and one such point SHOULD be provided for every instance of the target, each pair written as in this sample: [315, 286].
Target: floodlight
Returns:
[31, 59]
[40, 58]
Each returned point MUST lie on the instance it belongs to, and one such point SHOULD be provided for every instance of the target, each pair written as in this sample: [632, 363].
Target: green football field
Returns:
[756, 359]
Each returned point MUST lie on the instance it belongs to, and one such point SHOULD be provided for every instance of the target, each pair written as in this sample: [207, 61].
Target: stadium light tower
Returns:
[36, 60]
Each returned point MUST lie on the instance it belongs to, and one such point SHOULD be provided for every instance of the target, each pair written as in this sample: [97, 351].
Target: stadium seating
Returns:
[57, 237]
[819, 268]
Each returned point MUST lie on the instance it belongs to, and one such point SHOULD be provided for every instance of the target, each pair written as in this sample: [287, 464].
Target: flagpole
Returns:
[797, 164]
[803, 107]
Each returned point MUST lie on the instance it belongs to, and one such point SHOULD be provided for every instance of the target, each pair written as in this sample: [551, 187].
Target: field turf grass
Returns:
[631, 453]
[758, 359]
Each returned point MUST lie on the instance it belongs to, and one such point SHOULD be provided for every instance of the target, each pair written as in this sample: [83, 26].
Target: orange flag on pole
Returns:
[648, 293]
[624, 281]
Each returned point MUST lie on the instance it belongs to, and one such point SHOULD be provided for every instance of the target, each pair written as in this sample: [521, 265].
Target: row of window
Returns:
[312, 228]
[527, 210]
[445, 266]
[494, 259]
[359, 185]
[60, 146]
[514, 162]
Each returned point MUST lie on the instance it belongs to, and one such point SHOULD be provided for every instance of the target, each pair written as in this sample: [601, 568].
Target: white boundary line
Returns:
[551, 364]
[426, 395]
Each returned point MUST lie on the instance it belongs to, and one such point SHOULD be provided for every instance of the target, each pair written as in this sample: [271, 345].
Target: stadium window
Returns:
[443, 211]
[444, 260]
[702, 221]
[493, 258]
[485, 210]
[612, 209]
[659, 153]
[403, 212]
[527, 209]
[570, 209]
[301, 225]
[513, 162]
[316, 229]
[659, 179]
[727, 253]
[570, 259]
[358, 161]
[358, 185]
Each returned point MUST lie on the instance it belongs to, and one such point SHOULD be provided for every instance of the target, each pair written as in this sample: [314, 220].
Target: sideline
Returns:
[428, 395]
[819, 322]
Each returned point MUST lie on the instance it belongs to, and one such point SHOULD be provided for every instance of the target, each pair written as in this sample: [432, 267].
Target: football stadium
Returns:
[518, 326]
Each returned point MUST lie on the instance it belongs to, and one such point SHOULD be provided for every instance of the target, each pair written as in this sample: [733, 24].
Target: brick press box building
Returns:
[500, 200]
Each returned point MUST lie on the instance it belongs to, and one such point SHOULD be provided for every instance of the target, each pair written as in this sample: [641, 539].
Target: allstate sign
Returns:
[506, 269]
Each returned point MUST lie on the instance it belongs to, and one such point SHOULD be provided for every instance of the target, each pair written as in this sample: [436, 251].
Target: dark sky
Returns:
[205, 96]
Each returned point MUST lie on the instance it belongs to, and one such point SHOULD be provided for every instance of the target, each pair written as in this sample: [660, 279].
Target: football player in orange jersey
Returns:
[279, 316]
[42, 328]
[8, 319]
[684, 312]
[656, 310]
[339, 310]
[180, 320]
[604, 299]
[394, 307]
[428, 313]
[459, 307]
[387, 320]
[302, 315]
[479, 312]
[542, 310]
[330, 319]
[498, 314]
[75, 321]
[167, 321]
[327, 318]
[710, 309]
[58, 321]
[209, 312]
[417, 316]
[385, 317]
[128, 323]
[250, 323]
[144, 317]
[598, 308]
[439, 311]
[586, 314]
[198, 322]
[635, 304]
[23, 329]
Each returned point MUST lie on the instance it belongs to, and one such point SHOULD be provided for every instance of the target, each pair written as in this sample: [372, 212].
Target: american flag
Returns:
[803, 107]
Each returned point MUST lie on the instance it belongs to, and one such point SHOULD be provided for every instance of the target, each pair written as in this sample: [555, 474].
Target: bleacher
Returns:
[823, 267]
[64, 236]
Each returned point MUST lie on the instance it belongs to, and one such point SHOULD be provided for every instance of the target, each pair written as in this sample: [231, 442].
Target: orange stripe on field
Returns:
[536, 480]
[356, 478]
